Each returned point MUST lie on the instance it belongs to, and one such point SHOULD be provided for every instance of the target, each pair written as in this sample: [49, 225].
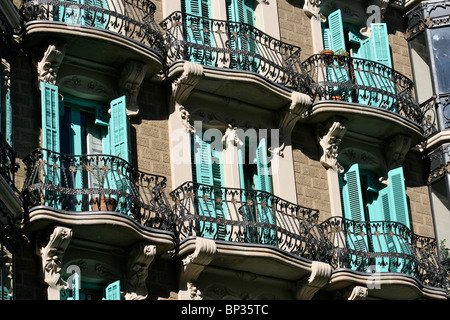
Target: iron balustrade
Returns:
[344, 78]
[383, 246]
[8, 163]
[233, 45]
[82, 183]
[246, 216]
[133, 19]
[430, 119]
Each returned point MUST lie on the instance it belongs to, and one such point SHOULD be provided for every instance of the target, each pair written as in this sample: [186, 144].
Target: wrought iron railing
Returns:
[233, 45]
[344, 78]
[133, 19]
[83, 183]
[246, 216]
[8, 163]
[430, 119]
[383, 246]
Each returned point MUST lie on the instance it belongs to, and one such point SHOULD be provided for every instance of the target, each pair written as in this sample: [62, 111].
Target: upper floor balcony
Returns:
[264, 225]
[95, 29]
[356, 87]
[98, 194]
[232, 53]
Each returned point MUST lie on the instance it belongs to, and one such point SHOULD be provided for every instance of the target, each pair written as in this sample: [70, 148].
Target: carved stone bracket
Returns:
[52, 255]
[320, 276]
[48, 66]
[396, 151]
[300, 102]
[330, 136]
[141, 256]
[6, 75]
[312, 9]
[194, 264]
[358, 293]
[131, 78]
[182, 88]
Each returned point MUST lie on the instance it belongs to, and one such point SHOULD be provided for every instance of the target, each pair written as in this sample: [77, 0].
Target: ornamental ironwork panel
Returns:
[344, 78]
[133, 19]
[8, 163]
[383, 246]
[247, 216]
[234, 45]
[81, 183]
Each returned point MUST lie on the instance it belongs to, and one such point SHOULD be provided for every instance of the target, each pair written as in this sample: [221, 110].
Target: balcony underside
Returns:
[110, 228]
[388, 286]
[244, 87]
[93, 44]
[366, 120]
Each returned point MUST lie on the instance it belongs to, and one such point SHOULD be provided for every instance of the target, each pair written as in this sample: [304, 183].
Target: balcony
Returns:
[257, 222]
[353, 87]
[93, 190]
[126, 27]
[233, 53]
[384, 247]
[8, 163]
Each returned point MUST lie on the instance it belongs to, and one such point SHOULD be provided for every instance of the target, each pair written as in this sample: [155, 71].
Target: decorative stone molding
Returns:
[359, 293]
[131, 78]
[52, 256]
[330, 136]
[194, 264]
[288, 117]
[396, 151]
[312, 9]
[6, 75]
[48, 66]
[320, 276]
[141, 256]
[86, 86]
[182, 88]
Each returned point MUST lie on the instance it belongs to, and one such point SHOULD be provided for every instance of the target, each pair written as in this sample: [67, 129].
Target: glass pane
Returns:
[440, 43]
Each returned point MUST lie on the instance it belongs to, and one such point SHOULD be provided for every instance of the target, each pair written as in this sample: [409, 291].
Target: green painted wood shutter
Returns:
[112, 291]
[50, 117]
[119, 132]
[380, 42]
[336, 34]
[75, 287]
[209, 172]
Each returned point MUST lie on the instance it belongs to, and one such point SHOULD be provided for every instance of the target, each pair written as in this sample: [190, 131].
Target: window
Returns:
[365, 199]
[345, 38]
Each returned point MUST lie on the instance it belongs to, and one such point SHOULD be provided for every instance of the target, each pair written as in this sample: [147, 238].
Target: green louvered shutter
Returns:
[9, 118]
[119, 129]
[75, 287]
[219, 184]
[382, 241]
[50, 117]
[207, 177]
[336, 38]
[112, 291]
[400, 205]
[263, 182]
[354, 210]
[363, 71]
[381, 53]
[199, 31]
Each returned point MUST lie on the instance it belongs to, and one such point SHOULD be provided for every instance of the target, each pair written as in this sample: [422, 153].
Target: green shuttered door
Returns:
[50, 117]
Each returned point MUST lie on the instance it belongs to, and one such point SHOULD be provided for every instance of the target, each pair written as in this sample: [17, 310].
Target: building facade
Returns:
[243, 149]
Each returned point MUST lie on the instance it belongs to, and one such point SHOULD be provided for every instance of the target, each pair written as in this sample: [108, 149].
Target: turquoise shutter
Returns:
[364, 75]
[112, 291]
[8, 120]
[209, 173]
[97, 18]
[119, 129]
[381, 54]
[199, 31]
[50, 117]
[326, 38]
[337, 43]
[399, 199]
[263, 182]
[70, 13]
[354, 210]
[75, 287]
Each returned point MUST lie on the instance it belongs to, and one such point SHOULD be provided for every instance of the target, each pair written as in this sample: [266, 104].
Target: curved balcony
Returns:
[385, 248]
[126, 27]
[353, 87]
[93, 189]
[234, 50]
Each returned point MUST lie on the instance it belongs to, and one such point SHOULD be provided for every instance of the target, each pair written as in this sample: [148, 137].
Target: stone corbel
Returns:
[288, 117]
[182, 88]
[312, 10]
[52, 256]
[141, 256]
[330, 137]
[193, 266]
[320, 276]
[48, 66]
[6, 75]
[130, 83]
[358, 293]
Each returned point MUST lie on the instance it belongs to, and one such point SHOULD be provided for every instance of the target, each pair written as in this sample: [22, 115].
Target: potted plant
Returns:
[328, 56]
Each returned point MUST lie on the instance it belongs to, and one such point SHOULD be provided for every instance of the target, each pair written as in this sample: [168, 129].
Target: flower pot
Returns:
[104, 203]
[337, 98]
[328, 56]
